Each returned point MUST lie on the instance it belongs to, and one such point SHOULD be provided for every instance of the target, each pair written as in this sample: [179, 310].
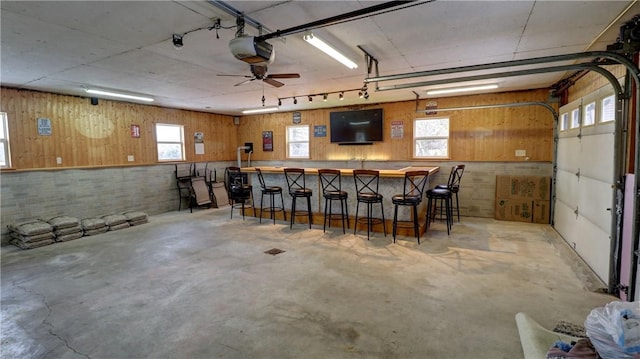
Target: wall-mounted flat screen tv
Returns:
[361, 127]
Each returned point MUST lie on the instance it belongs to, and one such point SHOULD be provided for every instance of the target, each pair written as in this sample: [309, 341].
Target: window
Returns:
[170, 140]
[589, 114]
[564, 122]
[608, 109]
[5, 155]
[431, 137]
[298, 141]
[575, 118]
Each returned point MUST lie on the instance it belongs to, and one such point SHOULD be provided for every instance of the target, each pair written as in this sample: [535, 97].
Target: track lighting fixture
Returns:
[279, 102]
[324, 97]
[341, 96]
[177, 41]
[360, 94]
[366, 95]
[295, 101]
[310, 98]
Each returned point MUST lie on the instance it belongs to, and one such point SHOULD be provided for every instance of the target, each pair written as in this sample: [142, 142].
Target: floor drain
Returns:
[274, 251]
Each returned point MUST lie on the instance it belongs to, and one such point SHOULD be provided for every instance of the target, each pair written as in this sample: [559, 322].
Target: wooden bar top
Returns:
[349, 171]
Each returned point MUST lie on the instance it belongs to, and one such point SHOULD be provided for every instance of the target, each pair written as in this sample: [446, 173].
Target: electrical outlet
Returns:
[130, 158]
[521, 153]
[59, 160]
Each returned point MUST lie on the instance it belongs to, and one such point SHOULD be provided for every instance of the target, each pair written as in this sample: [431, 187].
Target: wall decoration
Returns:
[135, 131]
[297, 117]
[320, 131]
[267, 141]
[397, 129]
[198, 137]
[431, 108]
[44, 127]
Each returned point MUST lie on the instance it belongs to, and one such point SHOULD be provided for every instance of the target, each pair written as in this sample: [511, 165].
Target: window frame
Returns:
[4, 140]
[181, 142]
[289, 142]
[417, 138]
[585, 111]
[602, 108]
[564, 121]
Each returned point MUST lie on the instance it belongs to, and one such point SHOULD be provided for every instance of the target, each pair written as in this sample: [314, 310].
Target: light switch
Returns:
[59, 160]
[130, 158]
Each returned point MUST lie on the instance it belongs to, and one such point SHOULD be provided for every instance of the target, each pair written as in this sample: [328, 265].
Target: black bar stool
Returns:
[367, 189]
[414, 182]
[331, 182]
[297, 189]
[271, 191]
[435, 196]
[240, 193]
[453, 184]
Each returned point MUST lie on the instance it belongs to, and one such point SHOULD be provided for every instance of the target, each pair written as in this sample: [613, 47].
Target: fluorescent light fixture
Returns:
[260, 110]
[324, 47]
[120, 95]
[462, 89]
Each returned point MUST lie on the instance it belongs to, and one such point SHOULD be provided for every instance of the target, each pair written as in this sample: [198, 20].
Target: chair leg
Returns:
[309, 211]
[395, 221]
[324, 223]
[355, 224]
[458, 206]
[346, 210]
[384, 222]
[369, 222]
[284, 213]
[293, 211]
[261, 205]
[416, 228]
[342, 205]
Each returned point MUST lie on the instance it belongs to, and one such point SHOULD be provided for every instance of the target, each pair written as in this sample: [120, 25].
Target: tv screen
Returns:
[356, 127]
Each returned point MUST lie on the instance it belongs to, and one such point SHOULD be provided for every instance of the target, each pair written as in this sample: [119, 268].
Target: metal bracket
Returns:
[370, 62]
[417, 100]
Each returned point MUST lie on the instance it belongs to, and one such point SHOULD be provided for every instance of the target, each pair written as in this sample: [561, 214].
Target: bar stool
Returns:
[297, 189]
[240, 193]
[367, 192]
[414, 182]
[331, 182]
[272, 191]
[453, 184]
[439, 195]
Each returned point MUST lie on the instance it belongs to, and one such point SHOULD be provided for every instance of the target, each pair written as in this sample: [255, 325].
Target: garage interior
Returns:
[197, 283]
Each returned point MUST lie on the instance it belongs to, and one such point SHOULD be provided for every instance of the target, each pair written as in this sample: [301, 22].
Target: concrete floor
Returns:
[198, 285]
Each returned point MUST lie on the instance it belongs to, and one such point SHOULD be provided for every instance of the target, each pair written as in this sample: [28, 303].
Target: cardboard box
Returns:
[523, 198]
[541, 211]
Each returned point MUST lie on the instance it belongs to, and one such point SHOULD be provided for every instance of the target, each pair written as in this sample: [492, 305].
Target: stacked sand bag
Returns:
[31, 234]
[136, 218]
[66, 228]
[115, 221]
[92, 226]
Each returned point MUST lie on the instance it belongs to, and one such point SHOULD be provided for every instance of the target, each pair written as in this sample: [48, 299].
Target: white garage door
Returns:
[585, 178]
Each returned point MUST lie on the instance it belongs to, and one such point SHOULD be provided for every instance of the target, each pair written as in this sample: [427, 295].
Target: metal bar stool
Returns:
[271, 191]
[297, 189]
[367, 192]
[414, 182]
[240, 193]
[331, 182]
[440, 195]
[453, 184]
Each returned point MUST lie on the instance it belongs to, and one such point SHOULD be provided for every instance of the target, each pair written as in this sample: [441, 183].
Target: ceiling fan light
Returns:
[327, 49]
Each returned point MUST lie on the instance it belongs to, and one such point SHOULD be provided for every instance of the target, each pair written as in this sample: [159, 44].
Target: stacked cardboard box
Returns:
[523, 198]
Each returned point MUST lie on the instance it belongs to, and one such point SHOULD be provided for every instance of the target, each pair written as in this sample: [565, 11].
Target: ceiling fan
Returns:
[259, 72]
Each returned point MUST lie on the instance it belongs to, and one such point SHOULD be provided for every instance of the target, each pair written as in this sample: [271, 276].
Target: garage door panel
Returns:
[568, 150]
[594, 199]
[567, 188]
[565, 221]
[593, 245]
[596, 160]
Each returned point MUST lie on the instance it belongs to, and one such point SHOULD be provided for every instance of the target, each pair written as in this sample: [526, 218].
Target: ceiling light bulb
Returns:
[324, 98]
[324, 47]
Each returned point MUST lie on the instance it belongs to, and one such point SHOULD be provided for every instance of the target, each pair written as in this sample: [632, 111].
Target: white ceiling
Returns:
[66, 46]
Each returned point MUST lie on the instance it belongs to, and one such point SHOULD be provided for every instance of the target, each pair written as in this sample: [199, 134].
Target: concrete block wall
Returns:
[84, 193]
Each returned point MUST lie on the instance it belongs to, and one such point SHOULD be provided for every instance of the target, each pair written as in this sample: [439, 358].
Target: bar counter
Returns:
[391, 183]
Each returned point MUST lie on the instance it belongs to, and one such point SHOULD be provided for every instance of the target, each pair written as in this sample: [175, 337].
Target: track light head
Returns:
[341, 96]
[310, 98]
[279, 102]
[295, 101]
[366, 95]
[324, 97]
[177, 41]
[360, 94]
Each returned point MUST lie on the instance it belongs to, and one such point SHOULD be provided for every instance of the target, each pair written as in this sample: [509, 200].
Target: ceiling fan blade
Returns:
[284, 76]
[273, 82]
[244, 82]
[247, 76]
